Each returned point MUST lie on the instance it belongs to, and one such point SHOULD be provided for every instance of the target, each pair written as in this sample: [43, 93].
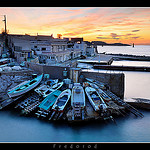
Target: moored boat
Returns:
[78, 95]
[95, 99]
[25, 87]
[100, 84]
[105, 97]
[62, 101]
[78, 102]
[48, 102]
[45, 90]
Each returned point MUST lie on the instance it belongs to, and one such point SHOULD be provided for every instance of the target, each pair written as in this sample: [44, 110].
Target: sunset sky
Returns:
[108, 24]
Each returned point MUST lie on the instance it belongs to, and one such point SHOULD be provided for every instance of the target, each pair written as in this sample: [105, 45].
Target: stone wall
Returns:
[114, 80]
[53, 71]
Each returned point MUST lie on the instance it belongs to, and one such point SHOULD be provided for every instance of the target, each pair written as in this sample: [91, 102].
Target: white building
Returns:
[90, 51]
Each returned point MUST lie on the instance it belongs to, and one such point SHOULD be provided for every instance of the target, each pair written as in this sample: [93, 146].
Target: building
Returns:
[90, 51]
[21, 49]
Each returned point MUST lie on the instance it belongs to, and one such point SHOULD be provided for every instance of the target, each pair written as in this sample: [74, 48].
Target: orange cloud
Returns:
[92, 23]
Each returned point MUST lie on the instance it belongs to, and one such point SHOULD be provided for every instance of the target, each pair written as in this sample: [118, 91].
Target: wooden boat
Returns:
[45, 86]
[45, 90]
[51, 82]
[41, 90]
[62, 101]
[4, 61]
[100, 84]
[95, 99]
[48, 102]
[25, 87]
[105, 97]
[54, 87]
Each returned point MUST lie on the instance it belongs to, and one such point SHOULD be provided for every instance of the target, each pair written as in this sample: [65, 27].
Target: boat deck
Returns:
[47, 102]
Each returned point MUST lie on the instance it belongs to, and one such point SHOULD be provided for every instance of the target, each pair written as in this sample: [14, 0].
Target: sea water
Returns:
[16, 128]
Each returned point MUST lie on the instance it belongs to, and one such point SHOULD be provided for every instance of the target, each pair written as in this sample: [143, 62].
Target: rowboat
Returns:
[25, 87]
[62, 101]
[105, 97]
[45, 90]
[53, 88]
[50, 100]
[51, 82]
[100, 84]
[95, 99]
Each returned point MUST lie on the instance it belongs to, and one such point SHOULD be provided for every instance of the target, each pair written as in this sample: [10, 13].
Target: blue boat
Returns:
[19, 90]
[50, 100]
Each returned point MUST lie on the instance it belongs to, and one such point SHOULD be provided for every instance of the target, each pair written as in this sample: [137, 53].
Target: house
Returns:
[90, 51]
[21, 49]
[51, 51]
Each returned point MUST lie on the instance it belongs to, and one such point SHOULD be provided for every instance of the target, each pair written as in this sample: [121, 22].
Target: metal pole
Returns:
[5, 23]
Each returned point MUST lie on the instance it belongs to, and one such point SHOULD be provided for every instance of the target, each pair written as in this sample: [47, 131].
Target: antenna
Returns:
[5, 23]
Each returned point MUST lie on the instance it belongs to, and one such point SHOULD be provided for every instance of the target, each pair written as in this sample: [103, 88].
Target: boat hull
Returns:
[23, 89]
[62, 101]
[95, 99]
[78, 97]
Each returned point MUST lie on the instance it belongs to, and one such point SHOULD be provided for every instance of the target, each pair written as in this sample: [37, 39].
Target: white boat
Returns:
[77, 102]
[78, 95]
[51, 82]
[45, 90]
[105, 97]
[53, 88]
[62, 101]
[25, 87]
[100, 84]
[95, 99]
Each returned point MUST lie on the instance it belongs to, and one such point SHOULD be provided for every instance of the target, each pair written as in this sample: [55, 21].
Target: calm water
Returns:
[137, 50]
[16, 128]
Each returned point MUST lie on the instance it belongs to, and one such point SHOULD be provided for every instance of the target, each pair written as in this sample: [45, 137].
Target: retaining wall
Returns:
[114, 80]
[53, 71]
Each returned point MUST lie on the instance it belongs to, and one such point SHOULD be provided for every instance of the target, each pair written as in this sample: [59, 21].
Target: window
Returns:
[77, 46]
[43, 48]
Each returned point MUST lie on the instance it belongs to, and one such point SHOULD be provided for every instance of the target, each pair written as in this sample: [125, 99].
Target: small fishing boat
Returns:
[45, 90]
[54, 88]
[62, 101]
[105, 97]
[48, 102]
[95, 99]
[25, 87]
[78, 102]
[100, 84]
[51, 82]
[78, 95]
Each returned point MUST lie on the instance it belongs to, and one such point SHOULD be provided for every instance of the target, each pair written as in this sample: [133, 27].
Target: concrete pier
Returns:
[122, 68]
[100, 59]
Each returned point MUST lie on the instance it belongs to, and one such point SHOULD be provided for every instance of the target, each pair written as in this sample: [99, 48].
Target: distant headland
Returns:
[110, 44]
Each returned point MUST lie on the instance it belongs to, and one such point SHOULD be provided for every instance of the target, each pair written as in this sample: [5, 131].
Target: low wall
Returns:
[114, 80]
[53, 71]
